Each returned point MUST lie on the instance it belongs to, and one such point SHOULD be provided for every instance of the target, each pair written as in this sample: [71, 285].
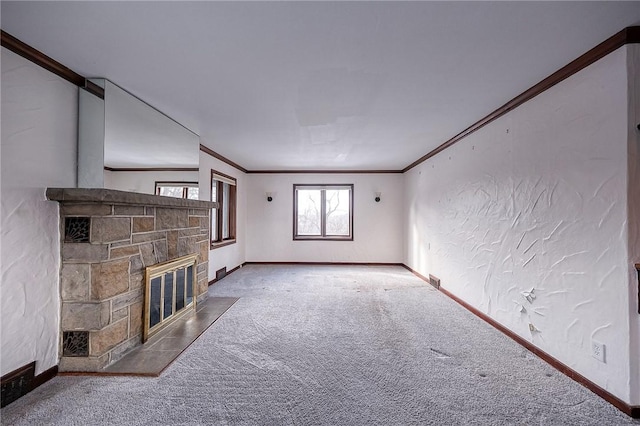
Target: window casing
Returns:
[223, 218]
[323, 212]
[188, 190]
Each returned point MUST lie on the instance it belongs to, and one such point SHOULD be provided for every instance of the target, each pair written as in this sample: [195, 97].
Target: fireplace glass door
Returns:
[169, 293]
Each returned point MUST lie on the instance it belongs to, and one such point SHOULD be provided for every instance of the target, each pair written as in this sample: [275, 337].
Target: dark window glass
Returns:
[223, 218]
[189, 285]
[168, 295]
[180, 289]
[154, 308]
[323, 212]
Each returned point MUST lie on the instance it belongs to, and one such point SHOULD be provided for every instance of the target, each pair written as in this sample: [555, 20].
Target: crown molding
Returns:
[629, 35]
[16, 46]
[215, 155]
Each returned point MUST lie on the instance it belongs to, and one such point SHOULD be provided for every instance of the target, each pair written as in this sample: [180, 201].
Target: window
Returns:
[223, 218]
[178, 189]
[323, 212]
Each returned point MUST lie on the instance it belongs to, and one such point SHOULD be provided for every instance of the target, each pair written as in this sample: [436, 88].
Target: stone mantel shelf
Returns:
[110, 196]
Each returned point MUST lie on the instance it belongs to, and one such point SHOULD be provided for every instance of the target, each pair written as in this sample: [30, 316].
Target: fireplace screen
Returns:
[169, 293]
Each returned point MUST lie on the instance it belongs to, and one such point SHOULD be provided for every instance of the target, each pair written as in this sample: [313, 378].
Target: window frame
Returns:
[323, 231]
[219, 211]
[184, 184]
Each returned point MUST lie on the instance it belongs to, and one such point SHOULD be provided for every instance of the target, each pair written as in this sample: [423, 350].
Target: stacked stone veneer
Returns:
[102, 280]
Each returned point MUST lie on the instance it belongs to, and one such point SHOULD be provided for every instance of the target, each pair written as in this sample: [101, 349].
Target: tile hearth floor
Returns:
[162, 349]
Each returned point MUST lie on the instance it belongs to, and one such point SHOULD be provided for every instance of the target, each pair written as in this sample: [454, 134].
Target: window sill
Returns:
[219, 244]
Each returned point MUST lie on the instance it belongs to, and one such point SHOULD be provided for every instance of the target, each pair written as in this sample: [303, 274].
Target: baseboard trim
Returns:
[631, 410]
[325, 263]
[44, 377]
[564, 369]
[32, 381]
[329, 172]
[215, 280]
[416, 273]
[106, 374]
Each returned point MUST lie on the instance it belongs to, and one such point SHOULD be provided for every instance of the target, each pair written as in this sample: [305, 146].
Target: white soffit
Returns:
[319, 85]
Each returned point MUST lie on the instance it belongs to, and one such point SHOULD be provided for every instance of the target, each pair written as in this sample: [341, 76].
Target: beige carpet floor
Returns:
[331, 345]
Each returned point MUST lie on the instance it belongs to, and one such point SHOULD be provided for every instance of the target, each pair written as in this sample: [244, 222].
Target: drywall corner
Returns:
[231, 255]
[633, 194]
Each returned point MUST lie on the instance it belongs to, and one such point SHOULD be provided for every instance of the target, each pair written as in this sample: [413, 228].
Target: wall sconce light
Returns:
[378, 197]
[269, 196]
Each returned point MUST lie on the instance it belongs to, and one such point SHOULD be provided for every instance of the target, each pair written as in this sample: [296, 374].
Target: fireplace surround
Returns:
[108, 239]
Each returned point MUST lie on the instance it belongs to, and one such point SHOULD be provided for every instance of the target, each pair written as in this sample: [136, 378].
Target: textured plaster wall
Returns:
[526, 220]
[633, 67]
[39, 119]
[377, 226]
[234, 254]
[144, 182]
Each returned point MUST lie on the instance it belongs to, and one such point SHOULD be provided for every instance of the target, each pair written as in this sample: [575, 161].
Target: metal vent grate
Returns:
[434, 281]
[76, 229]
[221, 273]
[75, 343]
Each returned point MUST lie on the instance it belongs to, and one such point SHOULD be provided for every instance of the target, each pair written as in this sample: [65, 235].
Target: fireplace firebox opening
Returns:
[169, 293]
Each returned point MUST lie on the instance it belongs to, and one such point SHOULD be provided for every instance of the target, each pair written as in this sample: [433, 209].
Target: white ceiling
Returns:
[319, 85]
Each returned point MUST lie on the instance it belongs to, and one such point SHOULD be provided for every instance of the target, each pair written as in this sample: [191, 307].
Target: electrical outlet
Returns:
[598, 351]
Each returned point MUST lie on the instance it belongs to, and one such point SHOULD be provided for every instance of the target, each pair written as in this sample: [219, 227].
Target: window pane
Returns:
[192, 193]
[214, 224]
[309, 213]
[223, 221]
[225, 211]
[214, 212]
[337, 212]
[171, 191]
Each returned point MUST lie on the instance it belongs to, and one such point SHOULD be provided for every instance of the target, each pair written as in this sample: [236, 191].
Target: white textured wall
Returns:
[633, 66]
[91, 150]
[234, 254]
[538, 200]
[144, 182]
[39, 119]
[377, 226]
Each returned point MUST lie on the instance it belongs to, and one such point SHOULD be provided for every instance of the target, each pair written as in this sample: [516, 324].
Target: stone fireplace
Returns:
[108, 238]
